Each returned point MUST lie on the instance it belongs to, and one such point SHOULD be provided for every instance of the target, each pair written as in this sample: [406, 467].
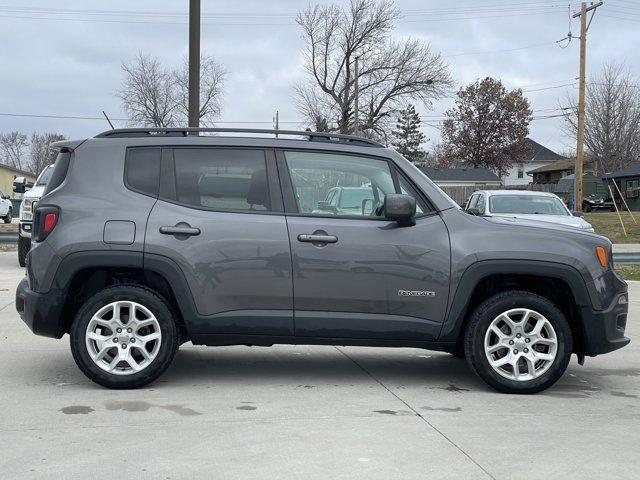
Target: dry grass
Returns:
[629, 272]
[608, 224]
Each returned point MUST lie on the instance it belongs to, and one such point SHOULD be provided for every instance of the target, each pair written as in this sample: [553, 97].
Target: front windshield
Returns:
[527, 204]
[44, 177]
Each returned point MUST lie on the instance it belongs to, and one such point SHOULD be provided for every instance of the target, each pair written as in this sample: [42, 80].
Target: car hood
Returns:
[34, 193]
[546, 221]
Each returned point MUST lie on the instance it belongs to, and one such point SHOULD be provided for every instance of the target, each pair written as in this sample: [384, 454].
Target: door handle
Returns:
[303, 237]
[179, 230]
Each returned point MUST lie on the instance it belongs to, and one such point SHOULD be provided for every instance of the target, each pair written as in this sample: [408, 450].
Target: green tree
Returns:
[408, 138]
[488, 126]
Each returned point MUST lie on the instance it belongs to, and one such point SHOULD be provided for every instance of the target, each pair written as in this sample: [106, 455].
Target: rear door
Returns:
[356, 274]
[220, 217]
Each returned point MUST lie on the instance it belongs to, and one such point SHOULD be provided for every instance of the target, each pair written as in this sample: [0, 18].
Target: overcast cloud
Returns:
[56, 63]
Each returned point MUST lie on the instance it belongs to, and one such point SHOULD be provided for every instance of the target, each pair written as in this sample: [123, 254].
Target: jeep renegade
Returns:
[226, 240]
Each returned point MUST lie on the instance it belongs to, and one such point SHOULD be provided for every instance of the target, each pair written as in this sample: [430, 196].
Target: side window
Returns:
[359, 183]
[222, 179]
[408, 189]
[142, 167]
[480, 204]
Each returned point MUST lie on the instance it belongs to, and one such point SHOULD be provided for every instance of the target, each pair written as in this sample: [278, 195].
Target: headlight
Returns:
[587, 226]
[26, 209]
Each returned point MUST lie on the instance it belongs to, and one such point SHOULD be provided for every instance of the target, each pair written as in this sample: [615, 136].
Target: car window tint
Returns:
[480, 203]
[341, 185]
[222, 179]
[143, 169]
[472, 201]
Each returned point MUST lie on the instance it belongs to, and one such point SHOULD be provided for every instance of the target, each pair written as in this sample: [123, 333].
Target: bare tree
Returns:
[13, 150]
[152, 95]
[41, 152]
[390, 73]
[612, 123]
[147, 92]
[212, 77]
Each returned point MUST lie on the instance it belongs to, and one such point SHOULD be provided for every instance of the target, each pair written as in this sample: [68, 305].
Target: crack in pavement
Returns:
[379, 382]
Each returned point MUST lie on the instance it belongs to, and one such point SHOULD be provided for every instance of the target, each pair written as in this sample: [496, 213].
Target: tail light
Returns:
[45, 220]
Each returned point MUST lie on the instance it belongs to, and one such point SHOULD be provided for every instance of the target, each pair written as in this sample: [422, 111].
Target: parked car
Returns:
[29, 199]
[539, 206]
[206, 239]
[597, 202]
[347, 201]
[6, 208]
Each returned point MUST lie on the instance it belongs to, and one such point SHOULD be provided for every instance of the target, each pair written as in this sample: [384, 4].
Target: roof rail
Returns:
[174, 131]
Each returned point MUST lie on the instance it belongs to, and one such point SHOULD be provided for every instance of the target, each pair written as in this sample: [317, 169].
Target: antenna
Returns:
[110, 124]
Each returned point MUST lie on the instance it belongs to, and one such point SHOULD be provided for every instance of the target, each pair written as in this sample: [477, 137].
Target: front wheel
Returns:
[518, 342]
[24, 245]
[124, 337]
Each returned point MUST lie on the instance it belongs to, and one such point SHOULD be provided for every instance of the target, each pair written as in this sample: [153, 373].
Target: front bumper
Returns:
[42, 312]
[603, 331]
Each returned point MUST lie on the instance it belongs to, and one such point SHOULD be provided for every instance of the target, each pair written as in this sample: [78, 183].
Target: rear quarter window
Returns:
[142, 170]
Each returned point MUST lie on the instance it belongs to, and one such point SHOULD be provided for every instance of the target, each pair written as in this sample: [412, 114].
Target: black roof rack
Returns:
[183, 132]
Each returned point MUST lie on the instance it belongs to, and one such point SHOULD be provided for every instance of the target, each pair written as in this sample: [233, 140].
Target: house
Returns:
[539, 156]
[462, 177]
[628, 182]
[554, 172]
[8, 175]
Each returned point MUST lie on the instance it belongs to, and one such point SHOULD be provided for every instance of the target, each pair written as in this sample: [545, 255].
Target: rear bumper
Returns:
[42, 312]
[603, 331]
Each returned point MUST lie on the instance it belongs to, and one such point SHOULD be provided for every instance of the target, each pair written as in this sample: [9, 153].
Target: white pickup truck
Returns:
[29, 199]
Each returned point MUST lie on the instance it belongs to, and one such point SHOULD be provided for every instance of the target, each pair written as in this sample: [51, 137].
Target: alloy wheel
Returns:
[123, 337]
[520, 344]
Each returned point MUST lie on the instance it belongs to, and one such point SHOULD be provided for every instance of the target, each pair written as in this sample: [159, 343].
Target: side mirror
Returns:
[401, 208]
[20, 185]
[577, 214]
[5, 197]
[473, 211]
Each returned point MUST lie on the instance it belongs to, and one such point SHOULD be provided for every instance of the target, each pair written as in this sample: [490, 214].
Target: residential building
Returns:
[628, 182]
[539, 156]
[8, 175]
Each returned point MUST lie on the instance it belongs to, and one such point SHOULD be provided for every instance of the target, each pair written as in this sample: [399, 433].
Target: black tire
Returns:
[168, 346]
[8, 217]
[24, 245]
[586, 207]
[482, 318]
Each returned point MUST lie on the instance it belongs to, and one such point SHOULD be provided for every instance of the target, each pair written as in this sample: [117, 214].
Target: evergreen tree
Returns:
[408, 138]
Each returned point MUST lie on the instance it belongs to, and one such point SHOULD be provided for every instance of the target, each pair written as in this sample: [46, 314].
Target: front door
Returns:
[219, 216]
[355, 274]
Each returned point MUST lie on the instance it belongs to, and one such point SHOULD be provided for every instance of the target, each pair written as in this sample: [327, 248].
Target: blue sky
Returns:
[64, 58]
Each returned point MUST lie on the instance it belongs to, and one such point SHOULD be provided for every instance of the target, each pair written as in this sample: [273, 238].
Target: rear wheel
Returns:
[518, 342]
[124, 337]
[8, 217]
[24, 245]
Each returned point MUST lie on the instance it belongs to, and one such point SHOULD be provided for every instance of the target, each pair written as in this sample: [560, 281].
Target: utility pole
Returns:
[194, 63]
[356, 97]
[584, 26]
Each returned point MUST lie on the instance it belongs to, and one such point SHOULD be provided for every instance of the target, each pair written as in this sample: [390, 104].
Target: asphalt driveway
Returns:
[309, 412]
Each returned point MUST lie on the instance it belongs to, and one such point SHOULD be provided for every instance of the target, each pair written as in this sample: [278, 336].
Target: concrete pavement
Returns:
[309, 412]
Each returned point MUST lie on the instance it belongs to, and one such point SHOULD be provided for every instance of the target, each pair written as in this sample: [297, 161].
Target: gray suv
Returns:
[217, 240]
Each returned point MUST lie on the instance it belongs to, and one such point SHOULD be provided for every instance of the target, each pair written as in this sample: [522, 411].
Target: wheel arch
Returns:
[560, 283]
[82, 274]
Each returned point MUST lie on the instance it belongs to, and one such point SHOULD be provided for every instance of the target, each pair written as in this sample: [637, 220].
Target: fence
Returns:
[460, 194]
